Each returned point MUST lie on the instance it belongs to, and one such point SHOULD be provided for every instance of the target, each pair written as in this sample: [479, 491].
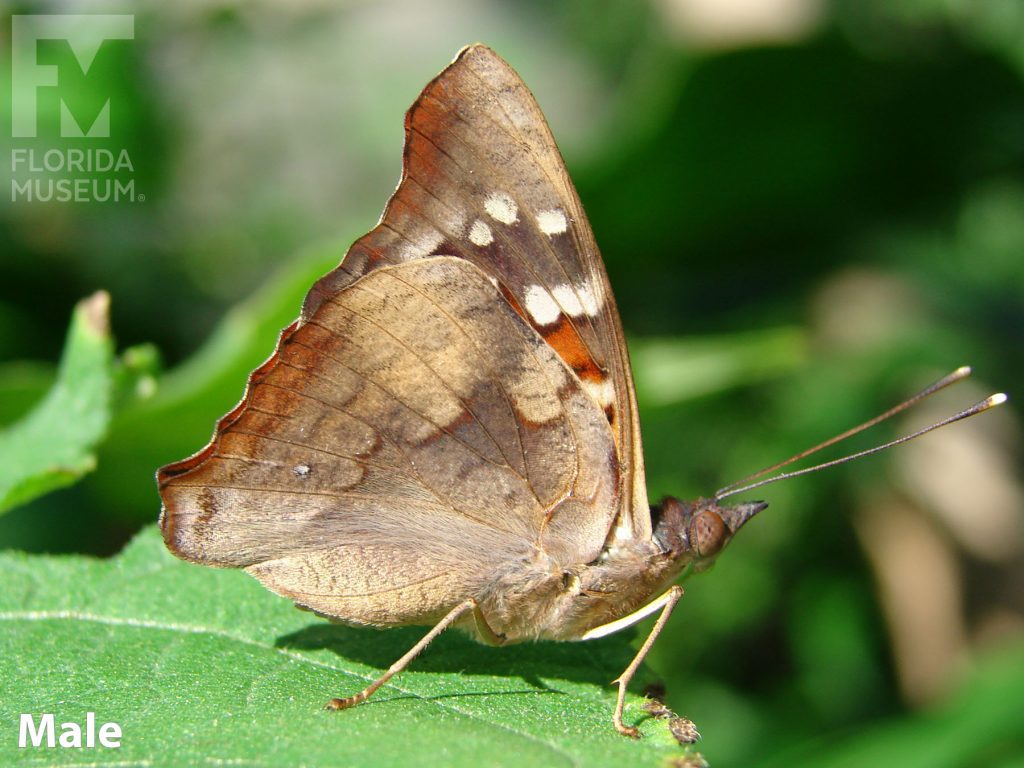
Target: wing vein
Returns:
[465, 405]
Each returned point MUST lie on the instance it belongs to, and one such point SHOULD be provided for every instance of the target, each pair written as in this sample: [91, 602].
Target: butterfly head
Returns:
[695, 532]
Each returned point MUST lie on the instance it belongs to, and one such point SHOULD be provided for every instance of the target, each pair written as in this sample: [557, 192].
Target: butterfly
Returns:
[448, 434]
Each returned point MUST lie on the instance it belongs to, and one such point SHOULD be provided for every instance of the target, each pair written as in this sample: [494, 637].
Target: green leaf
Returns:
[52, 446]
[199, 666]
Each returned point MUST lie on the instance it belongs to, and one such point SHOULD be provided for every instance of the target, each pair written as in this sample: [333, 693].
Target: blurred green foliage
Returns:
[801, 228]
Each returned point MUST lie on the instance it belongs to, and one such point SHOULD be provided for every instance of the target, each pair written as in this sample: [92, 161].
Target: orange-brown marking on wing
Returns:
[563, 337]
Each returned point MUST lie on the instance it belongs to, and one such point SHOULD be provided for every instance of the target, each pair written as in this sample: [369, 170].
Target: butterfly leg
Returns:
[454, 615]
[671, 598]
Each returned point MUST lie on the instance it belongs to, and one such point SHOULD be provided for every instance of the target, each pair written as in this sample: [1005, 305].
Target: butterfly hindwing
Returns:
[415, 412]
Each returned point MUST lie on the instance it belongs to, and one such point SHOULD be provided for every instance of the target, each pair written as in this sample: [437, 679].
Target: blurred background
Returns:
[808, 211]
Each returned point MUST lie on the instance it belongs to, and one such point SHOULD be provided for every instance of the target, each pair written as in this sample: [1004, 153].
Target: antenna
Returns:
[959, 374]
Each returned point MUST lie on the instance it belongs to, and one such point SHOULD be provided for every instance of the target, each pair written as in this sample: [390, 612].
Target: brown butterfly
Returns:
[448, 434]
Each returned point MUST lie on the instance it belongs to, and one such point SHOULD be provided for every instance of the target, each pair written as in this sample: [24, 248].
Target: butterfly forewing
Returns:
[483, 180]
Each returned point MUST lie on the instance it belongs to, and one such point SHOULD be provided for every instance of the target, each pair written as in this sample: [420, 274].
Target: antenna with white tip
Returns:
[741, 486]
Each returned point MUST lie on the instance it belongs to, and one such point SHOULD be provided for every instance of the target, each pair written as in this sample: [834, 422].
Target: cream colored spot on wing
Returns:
[591, 303]
[602, 391]
[501, 207]
[552, 222]
[480, 234]
[541, 305]
[567, 298]
[576, 300]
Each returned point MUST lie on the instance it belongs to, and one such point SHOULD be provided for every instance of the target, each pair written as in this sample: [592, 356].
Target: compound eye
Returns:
[707, 533]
